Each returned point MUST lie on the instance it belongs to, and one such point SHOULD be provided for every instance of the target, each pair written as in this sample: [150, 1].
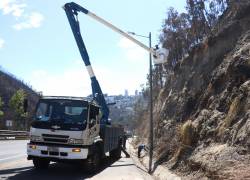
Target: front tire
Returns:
[93, 162]
[41, 163]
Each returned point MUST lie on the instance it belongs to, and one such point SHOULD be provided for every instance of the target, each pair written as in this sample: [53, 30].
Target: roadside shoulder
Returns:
[159, 173]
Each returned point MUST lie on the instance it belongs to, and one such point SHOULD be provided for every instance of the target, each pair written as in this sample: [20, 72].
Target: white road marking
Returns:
[12, 157]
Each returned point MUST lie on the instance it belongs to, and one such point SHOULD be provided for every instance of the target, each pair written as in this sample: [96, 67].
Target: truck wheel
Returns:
[116, 153]
[40, 163]
[93, 162]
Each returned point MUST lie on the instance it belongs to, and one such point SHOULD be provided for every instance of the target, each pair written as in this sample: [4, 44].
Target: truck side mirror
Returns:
[25, 105]
[109, 121]
[92, 122]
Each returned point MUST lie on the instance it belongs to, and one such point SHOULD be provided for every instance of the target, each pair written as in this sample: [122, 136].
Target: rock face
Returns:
[210, 88]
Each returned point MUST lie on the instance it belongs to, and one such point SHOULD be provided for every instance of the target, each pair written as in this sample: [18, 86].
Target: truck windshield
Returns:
[63, 111]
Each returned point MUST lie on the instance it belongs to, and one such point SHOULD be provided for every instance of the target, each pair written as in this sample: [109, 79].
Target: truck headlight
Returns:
[36, 138]
[75, 141]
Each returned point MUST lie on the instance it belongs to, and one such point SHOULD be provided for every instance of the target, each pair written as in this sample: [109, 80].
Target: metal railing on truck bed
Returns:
[11, 135]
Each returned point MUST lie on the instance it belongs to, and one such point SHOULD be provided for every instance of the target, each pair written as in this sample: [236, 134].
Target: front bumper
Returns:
[60, 153]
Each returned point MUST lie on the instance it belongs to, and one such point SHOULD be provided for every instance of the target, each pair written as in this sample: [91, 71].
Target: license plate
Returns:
[53, 149]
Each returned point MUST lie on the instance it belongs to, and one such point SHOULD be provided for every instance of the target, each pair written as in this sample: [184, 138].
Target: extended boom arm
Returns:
[72, 10]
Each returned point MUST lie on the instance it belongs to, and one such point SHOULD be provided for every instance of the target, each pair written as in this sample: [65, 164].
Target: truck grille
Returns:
[53, 138]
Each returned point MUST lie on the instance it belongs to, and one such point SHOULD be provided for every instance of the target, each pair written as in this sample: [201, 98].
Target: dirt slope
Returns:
[202, 116]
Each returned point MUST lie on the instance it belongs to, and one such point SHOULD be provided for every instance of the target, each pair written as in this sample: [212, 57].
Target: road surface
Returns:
[14, 166]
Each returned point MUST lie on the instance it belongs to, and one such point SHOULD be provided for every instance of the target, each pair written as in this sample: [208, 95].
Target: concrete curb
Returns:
[160, 173]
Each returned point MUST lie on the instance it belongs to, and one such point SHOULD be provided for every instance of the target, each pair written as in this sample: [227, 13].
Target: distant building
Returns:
[110, 99]
[126, 93]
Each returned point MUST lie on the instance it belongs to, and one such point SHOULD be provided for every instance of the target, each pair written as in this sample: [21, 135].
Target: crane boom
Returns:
[77, 8]
[72, 10]
[114, 28]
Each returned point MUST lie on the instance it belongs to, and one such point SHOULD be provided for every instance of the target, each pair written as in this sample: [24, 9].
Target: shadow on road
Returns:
[56, 171]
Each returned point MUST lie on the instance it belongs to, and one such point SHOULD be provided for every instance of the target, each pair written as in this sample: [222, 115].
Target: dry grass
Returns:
[187, 139]
[232, 113]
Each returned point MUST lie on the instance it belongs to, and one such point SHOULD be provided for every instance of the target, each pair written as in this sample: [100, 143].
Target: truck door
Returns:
[94, 124]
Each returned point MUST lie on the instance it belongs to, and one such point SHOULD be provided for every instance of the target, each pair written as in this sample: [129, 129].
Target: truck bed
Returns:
[111, 135]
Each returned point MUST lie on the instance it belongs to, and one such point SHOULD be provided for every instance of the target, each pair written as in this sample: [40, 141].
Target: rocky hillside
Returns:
[202, 116]
[9, 84]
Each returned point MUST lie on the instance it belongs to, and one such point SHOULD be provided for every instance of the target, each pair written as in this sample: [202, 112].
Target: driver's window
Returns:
[43, 112]
[94, 111]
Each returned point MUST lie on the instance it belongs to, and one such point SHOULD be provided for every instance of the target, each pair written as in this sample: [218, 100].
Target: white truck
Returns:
[69, 129]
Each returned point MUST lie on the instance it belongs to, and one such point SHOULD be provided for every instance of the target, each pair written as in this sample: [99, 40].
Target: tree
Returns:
[175, 35]
[1, 105]
[183, 31]
[16, 103]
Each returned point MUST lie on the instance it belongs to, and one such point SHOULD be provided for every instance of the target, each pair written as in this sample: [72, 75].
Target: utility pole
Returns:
[151, 131]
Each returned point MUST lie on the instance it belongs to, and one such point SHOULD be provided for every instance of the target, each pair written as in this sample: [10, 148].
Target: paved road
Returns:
[14, 166]
[12, 150]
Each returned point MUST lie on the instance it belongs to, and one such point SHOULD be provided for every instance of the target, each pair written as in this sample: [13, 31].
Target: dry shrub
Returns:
[187, 133]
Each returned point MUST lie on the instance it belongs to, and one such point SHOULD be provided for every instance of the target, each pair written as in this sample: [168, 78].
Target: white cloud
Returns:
[12, 7]
[71, 82]
[75, 81]
[24, 19]
[1, 43]
[34, 20]
[132, 51]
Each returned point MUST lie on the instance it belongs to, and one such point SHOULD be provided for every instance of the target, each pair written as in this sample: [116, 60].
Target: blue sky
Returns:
[37, 45]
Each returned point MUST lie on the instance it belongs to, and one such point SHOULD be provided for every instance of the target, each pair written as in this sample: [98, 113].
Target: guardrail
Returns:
[11, 135]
